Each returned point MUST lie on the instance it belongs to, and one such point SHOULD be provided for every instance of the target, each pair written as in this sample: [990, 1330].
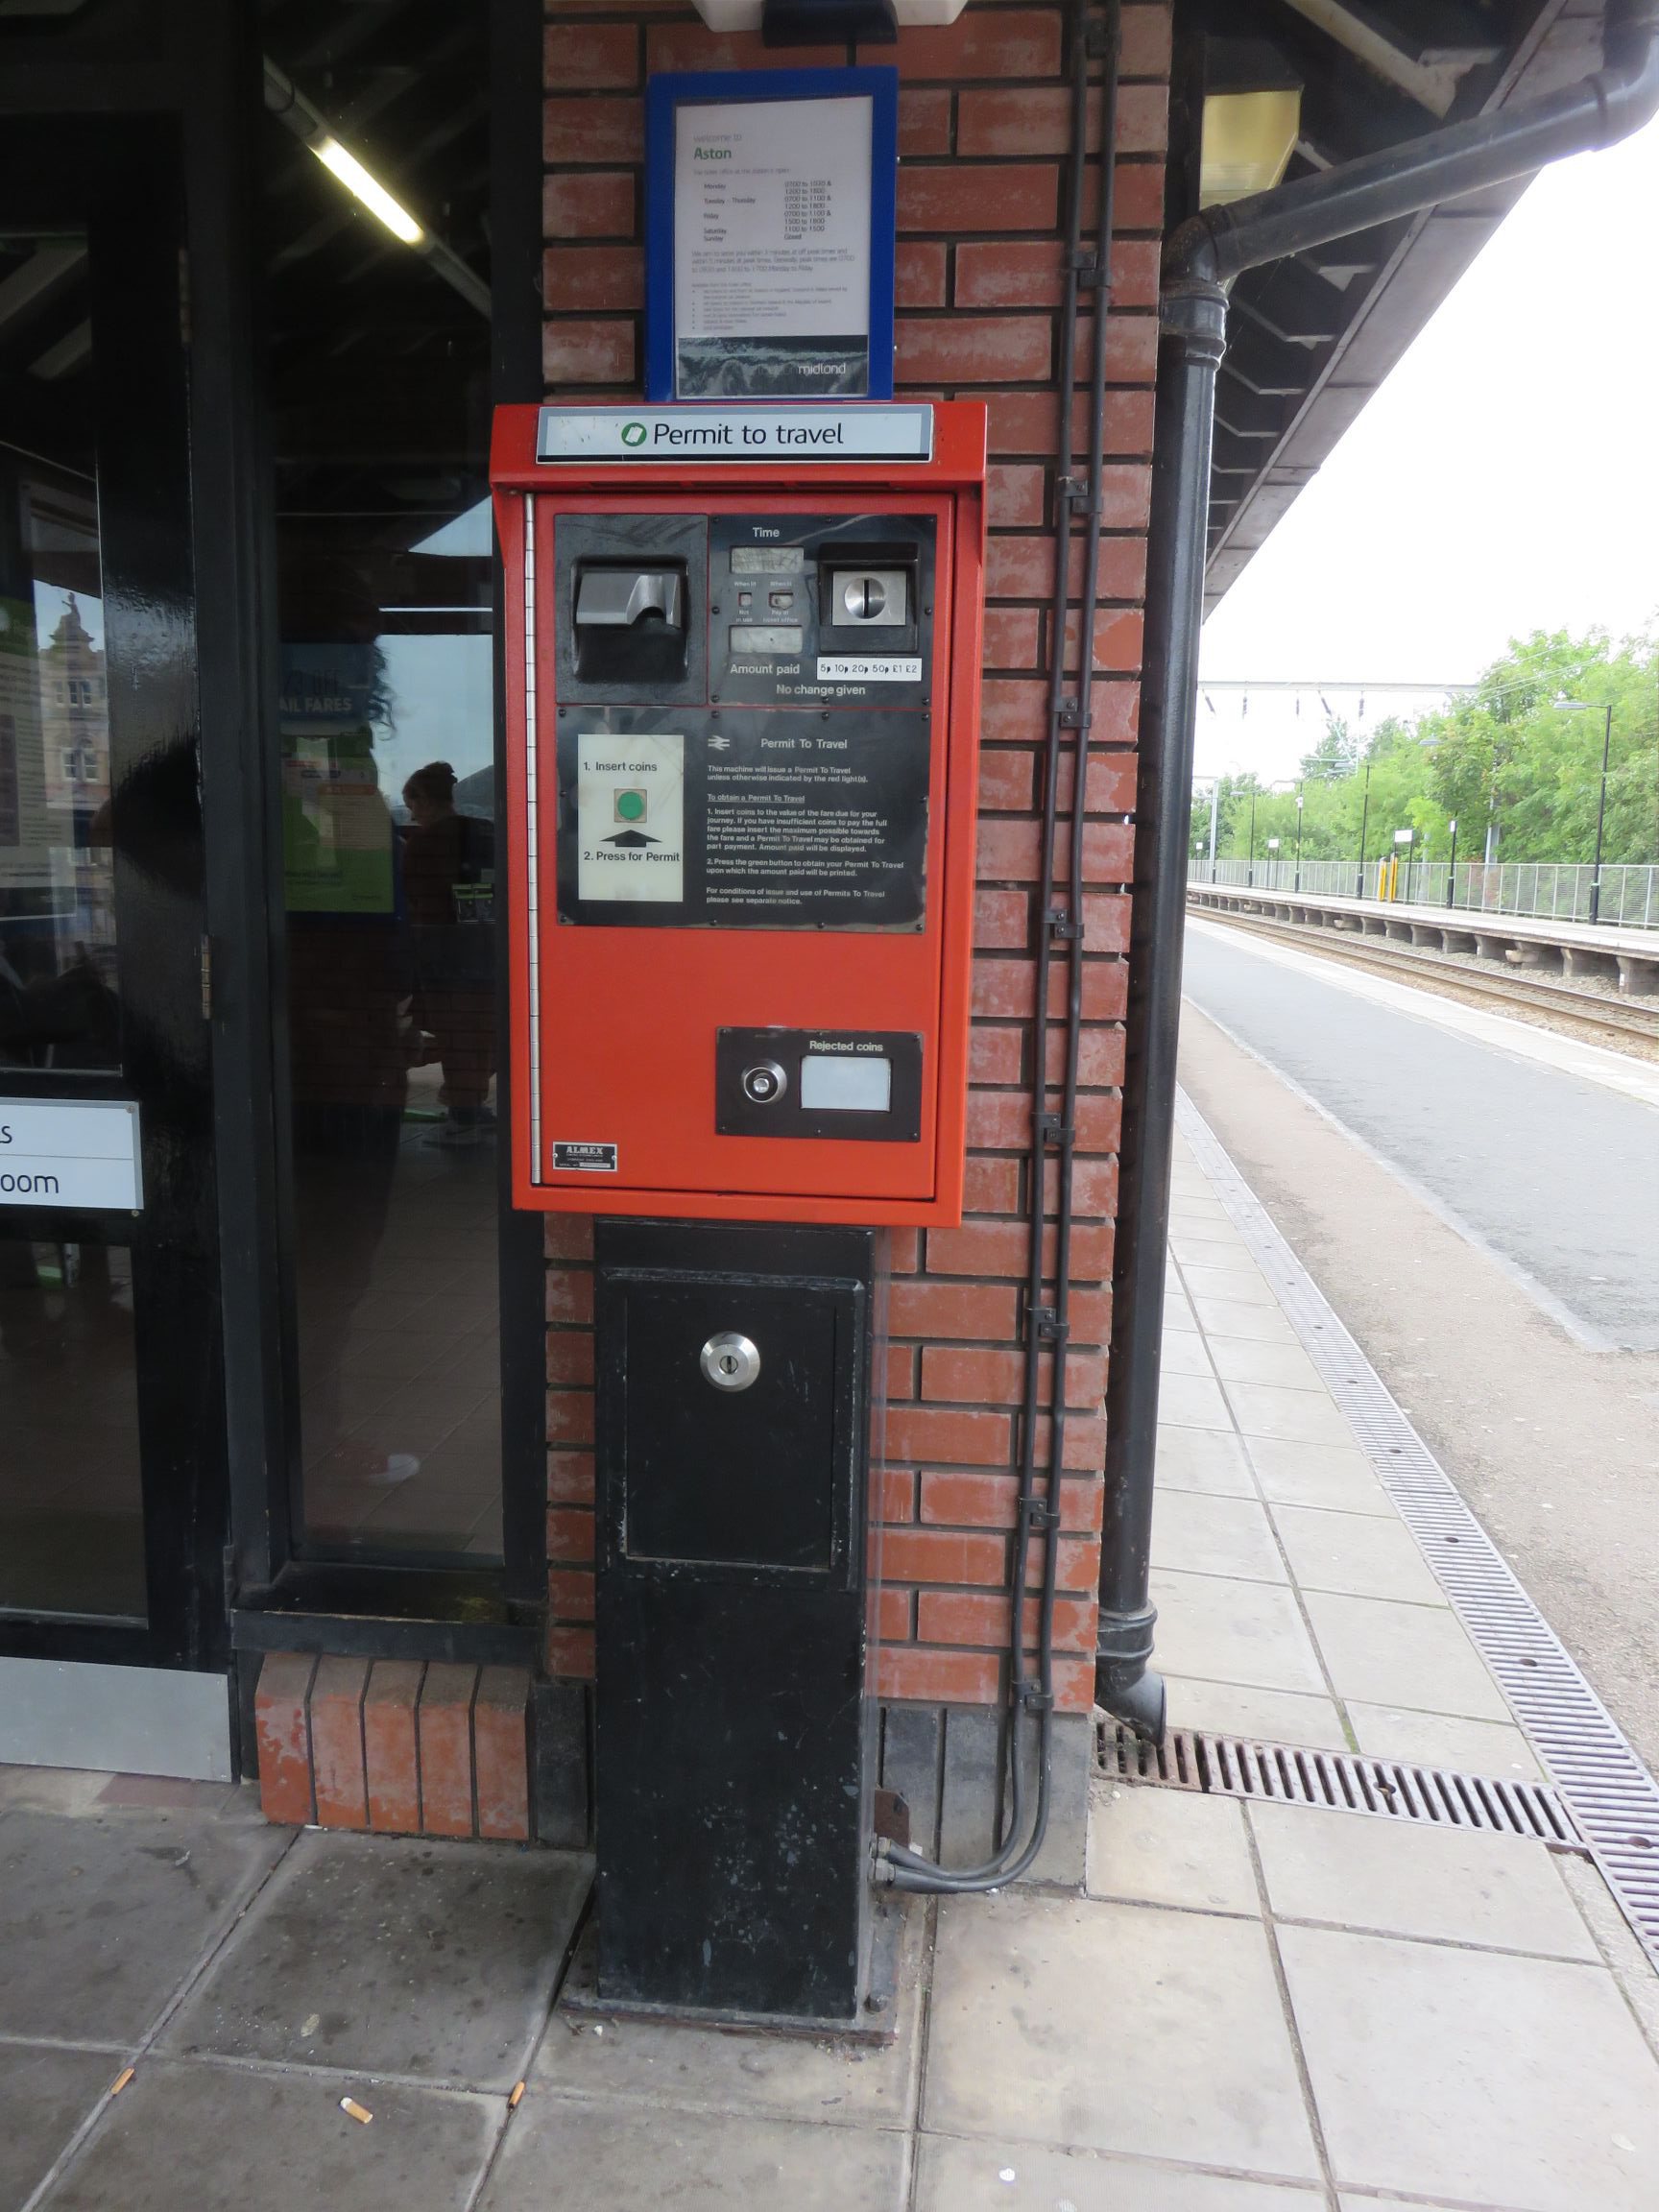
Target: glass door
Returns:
[111, 1421]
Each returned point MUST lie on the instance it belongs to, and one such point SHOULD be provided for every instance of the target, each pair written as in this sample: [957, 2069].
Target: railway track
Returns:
[1600, 1019]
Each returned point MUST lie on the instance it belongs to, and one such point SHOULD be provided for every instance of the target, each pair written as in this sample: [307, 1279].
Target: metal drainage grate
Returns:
[1341, 1781]
[1612, 1798]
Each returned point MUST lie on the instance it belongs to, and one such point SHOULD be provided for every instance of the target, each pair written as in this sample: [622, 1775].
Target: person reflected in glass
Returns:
[449, 888]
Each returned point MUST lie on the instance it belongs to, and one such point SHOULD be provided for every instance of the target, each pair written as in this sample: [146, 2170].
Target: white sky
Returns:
[1506, 477]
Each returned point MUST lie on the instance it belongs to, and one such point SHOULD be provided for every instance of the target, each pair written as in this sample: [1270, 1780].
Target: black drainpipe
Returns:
[1200, 259]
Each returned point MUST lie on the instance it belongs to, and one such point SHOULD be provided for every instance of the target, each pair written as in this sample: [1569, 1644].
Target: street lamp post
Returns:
[1589, 706]
[1451, 867]
[1600, 816]
[1298, 837]
[1250, 878]
[1364, 817]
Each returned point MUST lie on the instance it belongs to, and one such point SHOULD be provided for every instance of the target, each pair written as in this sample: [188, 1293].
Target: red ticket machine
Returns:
[742, 661]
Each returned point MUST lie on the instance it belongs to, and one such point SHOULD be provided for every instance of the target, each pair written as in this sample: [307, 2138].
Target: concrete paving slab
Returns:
[1298, 1416]
[1357, 1553]
[1412, 1655]
[1202, 1247]
[208, 2136]
[44, 2097]
[1247, 1359]
[101, 1915]
[1182, 1352]
[707, 2069]
[1220, 1629]
[1223, 1285]
[1335, 1477]
[1192, 1401]
[1215, 1537]
[1501, 1893]
[954, 2176]
[1468, 2074]
[1030, 1999]
[1206, 1460]
[1222, 1315]
[562, 2152]
[1178, 1313]
[393, 1955]
[66, 1789]
[1170, 1848]
[1444, 1739]
[1348, 2202]
[1265, 1716]
[1633, 1970]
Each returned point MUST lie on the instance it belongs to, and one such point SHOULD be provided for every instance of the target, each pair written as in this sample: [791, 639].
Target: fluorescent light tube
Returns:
[368, 189]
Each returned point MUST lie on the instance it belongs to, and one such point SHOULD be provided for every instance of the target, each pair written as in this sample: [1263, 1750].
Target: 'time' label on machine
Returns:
[631, 818]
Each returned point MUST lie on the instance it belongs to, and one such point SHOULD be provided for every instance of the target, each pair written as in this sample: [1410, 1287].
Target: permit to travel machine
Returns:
[742, 667]
[742, 654]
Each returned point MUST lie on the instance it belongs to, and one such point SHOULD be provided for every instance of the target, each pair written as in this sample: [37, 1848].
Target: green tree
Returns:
[1517, 759]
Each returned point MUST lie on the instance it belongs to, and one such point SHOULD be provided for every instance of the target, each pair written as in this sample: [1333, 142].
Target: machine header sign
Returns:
[790, 433]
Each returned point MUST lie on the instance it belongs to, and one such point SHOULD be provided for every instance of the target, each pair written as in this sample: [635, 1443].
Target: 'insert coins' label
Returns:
[631, 818]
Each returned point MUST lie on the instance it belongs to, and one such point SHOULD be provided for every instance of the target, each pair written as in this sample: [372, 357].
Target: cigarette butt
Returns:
[518, 2092]
[355, 2111]
[121, 2079]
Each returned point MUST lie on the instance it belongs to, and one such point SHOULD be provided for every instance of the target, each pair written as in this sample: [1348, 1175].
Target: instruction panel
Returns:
[778, 821]
[631, 818]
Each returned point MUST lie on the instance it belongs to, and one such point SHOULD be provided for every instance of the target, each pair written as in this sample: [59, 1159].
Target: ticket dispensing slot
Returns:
[630, 622]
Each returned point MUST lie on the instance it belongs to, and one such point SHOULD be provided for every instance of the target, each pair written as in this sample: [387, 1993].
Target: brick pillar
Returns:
[983, 134]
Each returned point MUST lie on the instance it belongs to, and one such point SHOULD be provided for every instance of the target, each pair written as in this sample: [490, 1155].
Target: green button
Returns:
[630, 805]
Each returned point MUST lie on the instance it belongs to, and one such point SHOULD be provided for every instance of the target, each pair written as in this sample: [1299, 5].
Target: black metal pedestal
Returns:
[734, 1748]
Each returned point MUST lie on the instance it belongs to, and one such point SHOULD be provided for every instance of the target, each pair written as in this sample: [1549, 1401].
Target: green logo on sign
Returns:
[632, 433]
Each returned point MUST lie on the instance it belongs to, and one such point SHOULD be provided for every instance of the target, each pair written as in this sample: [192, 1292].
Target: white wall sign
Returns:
[772, 247]
[80, 1152]
[869, 432]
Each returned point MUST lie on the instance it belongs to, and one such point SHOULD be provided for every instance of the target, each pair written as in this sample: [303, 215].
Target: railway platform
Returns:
[1333, 2009]
[1627, 957]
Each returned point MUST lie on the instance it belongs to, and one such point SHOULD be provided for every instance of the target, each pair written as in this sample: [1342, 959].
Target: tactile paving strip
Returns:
[1612, 1797]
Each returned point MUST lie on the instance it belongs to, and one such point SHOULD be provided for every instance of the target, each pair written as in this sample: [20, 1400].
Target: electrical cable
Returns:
[1095, 37]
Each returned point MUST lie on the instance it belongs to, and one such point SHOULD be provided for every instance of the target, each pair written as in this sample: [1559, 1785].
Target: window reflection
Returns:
[392, 1023]
[58, 996]
[71, 1511]
[379, 386]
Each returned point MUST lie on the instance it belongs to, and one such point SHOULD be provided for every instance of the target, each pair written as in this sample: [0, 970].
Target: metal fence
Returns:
[1561, 893]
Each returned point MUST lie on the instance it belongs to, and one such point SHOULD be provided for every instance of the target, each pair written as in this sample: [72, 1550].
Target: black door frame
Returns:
[194, 68]
[120, 181]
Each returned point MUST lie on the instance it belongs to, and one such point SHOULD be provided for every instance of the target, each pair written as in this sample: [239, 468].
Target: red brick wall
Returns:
[984, 132]
[403, 1746]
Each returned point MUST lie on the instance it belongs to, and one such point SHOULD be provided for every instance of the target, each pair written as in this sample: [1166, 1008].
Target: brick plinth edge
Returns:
[984, 122]
[395, 1745]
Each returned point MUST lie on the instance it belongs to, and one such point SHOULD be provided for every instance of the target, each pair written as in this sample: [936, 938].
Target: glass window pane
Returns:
[58, 990]
[379, 371]
[71, 1513]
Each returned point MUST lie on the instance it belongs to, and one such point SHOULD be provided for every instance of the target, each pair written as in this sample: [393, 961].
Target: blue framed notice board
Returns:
[770, 213]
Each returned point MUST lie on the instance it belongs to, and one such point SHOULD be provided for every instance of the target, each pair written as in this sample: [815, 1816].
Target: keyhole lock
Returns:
[730, 1361]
